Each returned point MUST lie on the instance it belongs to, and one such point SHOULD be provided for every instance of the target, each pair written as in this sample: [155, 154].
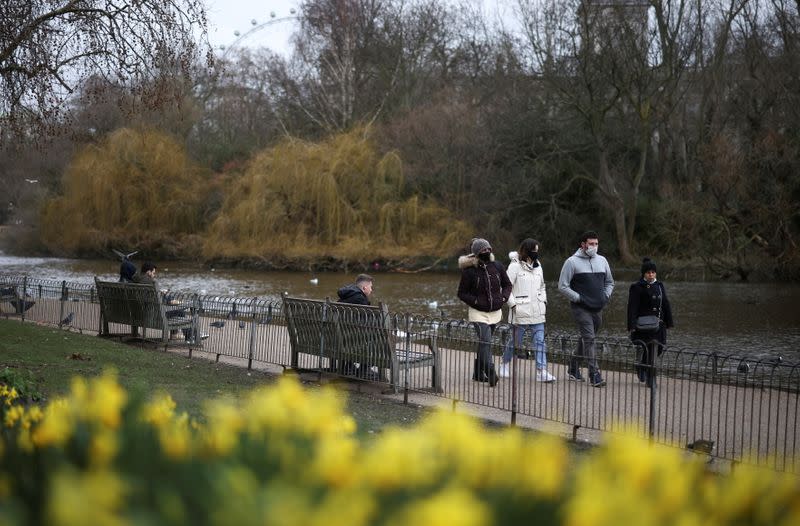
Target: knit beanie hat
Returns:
[648, 265]
[479, 244]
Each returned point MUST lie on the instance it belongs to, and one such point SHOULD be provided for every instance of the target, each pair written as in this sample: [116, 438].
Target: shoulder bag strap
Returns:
[660, 298]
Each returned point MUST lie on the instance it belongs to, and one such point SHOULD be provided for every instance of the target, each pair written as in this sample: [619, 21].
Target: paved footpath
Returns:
[740, 419]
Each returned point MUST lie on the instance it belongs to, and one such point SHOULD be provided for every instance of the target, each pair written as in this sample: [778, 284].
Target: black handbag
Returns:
[649, 323]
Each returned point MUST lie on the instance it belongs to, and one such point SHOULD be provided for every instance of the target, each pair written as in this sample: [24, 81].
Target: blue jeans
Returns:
[537, 330]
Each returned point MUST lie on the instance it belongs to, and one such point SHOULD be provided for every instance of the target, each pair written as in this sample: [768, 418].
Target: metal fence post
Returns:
[514, 379]
[24, 299]
[252, 335]
[408, 358]
[650, 354]
[325, 312]
[64, 295]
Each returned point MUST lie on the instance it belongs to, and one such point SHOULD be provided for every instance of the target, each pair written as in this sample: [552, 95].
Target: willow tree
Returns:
[134, 189]
[338, 198]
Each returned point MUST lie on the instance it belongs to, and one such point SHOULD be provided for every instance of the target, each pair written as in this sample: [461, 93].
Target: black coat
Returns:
[483, 286]
[645, 299]
[353, 294]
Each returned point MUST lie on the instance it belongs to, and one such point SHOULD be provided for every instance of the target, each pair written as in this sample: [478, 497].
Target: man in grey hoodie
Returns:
[587, 282]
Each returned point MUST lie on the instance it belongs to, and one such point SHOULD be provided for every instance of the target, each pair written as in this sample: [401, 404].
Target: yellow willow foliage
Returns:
[338, 198]
[134, 187]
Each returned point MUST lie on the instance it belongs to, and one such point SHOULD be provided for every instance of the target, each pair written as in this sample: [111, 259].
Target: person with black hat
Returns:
[648, 297]
[485, 288]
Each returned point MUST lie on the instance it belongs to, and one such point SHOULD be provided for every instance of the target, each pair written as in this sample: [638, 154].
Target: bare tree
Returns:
[360, 60]
[48, 47]
[238, 110]
[617, 78]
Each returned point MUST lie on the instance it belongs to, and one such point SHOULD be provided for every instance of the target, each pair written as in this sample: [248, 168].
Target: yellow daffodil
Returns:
[159, 410]
[56, 425]
[450, 507]
[225, 421]
[78, 499]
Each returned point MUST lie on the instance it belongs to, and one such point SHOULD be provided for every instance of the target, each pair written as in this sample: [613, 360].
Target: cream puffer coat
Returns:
[528, 301]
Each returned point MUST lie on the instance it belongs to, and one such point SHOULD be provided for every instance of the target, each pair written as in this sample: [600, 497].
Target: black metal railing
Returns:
[739, 409]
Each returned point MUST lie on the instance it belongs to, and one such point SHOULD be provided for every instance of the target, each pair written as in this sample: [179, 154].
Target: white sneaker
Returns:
[543, 376]
[504, 371]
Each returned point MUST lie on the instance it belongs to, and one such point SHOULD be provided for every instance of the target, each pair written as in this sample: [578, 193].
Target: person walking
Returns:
[485, 288]
[648, 297]
[587, 282]
[527, 307]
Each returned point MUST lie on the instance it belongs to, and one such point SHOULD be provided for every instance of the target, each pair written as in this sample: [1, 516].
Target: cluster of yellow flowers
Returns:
[287, 455]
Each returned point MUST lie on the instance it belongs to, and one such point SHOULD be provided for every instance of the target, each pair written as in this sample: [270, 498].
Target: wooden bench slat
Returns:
[344, 332]
[139, 305]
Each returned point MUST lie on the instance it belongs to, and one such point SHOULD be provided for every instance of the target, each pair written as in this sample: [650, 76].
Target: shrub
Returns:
[23, 384]
[337, 198]
[135, 188]
[284, 455]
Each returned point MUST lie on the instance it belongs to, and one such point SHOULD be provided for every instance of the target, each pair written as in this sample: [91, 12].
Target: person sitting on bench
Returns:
[147, 274]
[357, 293]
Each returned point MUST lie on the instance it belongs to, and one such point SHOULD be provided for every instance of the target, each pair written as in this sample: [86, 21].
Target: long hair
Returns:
[526, 248]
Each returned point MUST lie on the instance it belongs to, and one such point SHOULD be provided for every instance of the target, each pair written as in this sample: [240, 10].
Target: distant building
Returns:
[612, 23]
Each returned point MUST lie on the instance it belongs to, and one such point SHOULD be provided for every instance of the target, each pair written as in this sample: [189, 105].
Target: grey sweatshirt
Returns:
[586, 281]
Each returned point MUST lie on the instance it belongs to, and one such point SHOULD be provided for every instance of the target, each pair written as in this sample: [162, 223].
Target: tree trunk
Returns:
[644, 145]
[616, 205]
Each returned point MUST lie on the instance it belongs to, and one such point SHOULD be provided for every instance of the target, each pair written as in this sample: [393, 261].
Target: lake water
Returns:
[753, 319]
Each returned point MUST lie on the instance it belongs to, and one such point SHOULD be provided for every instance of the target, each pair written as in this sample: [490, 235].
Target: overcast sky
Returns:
[227, 16]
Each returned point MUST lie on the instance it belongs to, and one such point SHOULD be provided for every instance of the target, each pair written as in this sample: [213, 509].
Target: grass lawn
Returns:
[49, 358]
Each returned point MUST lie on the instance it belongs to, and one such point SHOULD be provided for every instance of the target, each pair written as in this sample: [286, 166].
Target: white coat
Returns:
[528, 301]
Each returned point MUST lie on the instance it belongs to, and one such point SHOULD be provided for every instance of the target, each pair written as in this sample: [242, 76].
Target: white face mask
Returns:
[591, 251]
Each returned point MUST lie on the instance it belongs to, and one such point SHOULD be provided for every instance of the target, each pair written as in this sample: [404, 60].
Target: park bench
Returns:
[142, 305]
[10, 293]
[346, 333]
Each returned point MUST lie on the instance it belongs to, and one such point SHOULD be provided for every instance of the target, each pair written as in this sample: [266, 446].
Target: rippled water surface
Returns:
[754, 319]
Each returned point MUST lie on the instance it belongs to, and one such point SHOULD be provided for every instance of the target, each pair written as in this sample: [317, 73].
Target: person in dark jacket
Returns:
[485, 288]
[648, 297]
[358, 292]
[126, 271]
[146, 274]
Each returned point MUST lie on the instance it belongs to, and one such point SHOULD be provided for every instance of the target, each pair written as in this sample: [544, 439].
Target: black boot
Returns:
[478, 374]
[641, 366]
[492, 376]
[574, 372]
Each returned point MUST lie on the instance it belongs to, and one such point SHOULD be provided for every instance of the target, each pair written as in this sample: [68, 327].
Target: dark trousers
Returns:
[179, 313]
[484, 351]
[588, 323]
[645, 362]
